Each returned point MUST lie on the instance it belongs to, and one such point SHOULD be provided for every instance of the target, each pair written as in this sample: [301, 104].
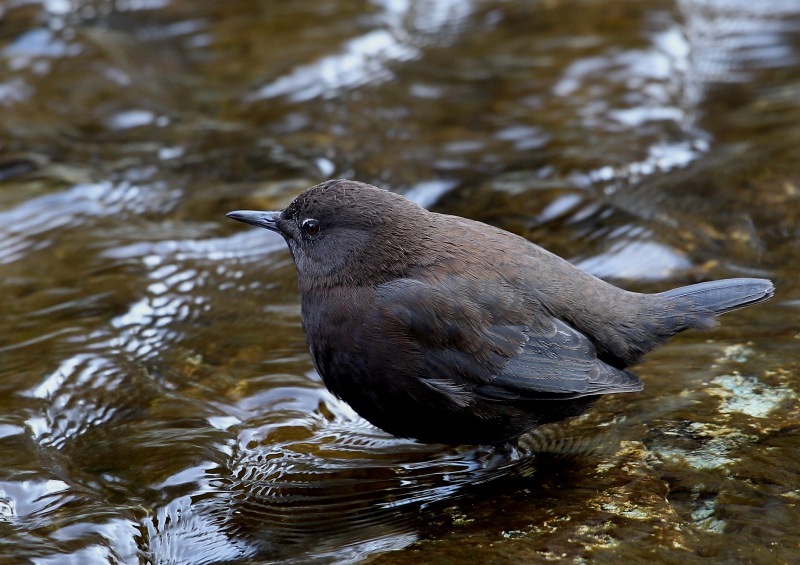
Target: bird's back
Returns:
[622, 325]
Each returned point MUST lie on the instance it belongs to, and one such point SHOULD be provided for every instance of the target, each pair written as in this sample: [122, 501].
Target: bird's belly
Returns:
[405, 408]
[386, 385]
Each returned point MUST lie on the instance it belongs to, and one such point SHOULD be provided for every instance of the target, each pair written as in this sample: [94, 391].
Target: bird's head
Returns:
[346, 232]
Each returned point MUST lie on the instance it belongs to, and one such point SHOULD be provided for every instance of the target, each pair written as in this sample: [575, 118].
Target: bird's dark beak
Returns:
[254, 218]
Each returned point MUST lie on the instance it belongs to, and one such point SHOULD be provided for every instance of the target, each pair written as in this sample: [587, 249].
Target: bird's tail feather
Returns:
[725, 295]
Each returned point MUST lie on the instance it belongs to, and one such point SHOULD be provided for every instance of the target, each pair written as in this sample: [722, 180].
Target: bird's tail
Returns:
[725, 295]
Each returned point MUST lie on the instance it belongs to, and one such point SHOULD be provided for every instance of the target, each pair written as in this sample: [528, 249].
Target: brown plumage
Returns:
[447, 330]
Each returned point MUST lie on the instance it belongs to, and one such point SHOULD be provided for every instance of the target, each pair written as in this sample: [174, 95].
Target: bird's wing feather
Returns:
[478, 339]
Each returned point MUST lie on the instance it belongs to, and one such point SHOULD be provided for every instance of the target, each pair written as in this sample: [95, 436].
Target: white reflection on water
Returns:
[636, 260]
[426, 193]
[37, 44]
[661, 158]
[652, 78]
[14, 90]
[363, 60]
[131, 119]
[730, 39]
[34, 224]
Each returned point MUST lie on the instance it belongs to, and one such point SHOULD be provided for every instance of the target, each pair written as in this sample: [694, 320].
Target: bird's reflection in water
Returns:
[339, 492]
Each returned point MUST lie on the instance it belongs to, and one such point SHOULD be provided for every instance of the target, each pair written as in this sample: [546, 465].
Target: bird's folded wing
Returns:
[479, 340]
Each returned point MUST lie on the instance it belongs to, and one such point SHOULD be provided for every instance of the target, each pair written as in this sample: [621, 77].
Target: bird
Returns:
[447, 330]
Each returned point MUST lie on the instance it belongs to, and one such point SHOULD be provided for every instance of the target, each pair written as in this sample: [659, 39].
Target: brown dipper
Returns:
[447, 330]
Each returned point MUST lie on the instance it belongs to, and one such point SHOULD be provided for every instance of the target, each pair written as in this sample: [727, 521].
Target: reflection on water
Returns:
[157, 401]
[397, 32]
[306, 487]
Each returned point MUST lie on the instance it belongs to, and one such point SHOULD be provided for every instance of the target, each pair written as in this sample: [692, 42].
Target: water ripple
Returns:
[365, 60]
[38, 222]
[332, 487]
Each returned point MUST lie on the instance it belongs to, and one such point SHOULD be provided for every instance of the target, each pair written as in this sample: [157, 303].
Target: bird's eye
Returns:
[311, 227]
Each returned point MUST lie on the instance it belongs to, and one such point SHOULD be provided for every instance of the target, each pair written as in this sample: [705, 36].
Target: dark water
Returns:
[157, 402]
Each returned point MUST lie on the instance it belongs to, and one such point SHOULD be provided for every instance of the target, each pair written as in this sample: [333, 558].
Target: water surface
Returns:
[157, 400]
